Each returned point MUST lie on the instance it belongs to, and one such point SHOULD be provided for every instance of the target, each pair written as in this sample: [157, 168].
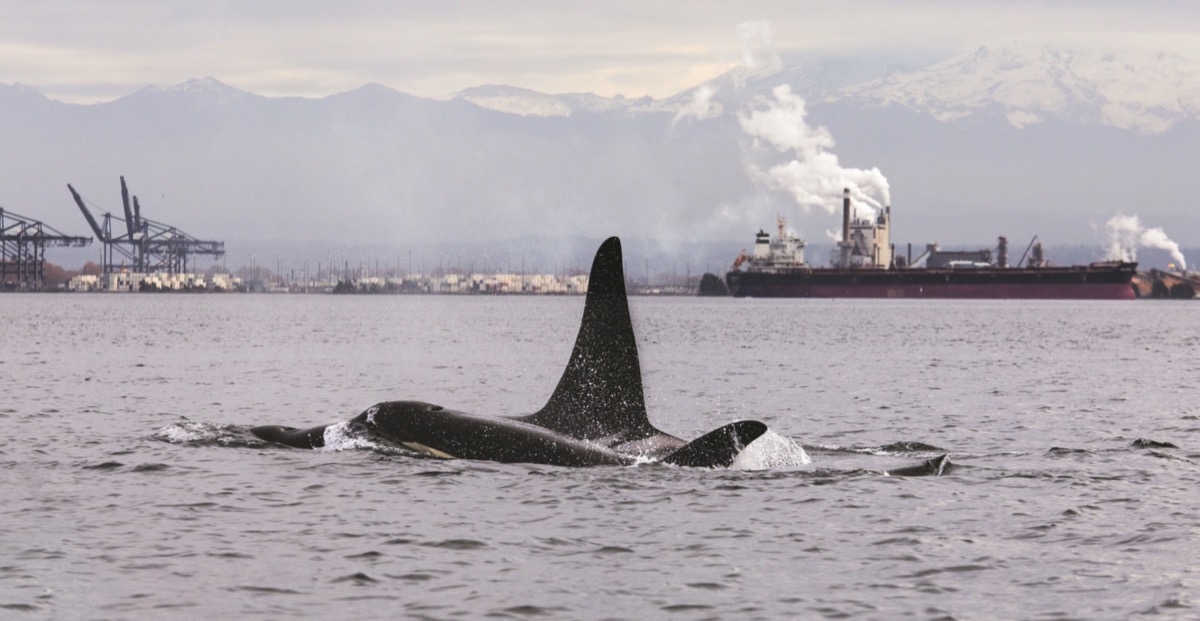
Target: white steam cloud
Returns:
[758, 53]
[810, 171]
[758, 59]
[700, 107]
[814, 177]
[1126, 234]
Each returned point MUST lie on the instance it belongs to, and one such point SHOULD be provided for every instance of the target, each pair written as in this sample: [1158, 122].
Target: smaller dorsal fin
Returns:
[717, 448]
[599, 395]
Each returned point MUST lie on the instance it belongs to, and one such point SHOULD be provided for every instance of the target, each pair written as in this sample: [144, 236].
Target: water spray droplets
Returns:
[771, 451]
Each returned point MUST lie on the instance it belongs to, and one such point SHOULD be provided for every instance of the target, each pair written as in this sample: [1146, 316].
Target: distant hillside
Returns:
[1008, 141]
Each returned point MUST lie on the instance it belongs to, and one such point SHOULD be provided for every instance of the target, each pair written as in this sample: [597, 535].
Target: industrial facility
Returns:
[139, 245]
[23, 243]
[865, 265]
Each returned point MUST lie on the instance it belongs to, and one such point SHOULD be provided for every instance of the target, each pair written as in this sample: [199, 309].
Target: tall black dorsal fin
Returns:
[600, 393]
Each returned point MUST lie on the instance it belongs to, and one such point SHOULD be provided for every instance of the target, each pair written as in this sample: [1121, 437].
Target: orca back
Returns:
[934, 467]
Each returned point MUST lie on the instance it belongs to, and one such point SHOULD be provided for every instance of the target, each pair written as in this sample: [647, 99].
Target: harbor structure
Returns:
[23, 243]
[140, 245]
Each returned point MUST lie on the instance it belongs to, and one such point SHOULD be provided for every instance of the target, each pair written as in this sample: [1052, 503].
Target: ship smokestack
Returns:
[846, 215]
[1002, 260]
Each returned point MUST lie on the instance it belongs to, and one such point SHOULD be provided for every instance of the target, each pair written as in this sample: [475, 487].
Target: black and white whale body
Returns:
[934, 467]
[596, 415]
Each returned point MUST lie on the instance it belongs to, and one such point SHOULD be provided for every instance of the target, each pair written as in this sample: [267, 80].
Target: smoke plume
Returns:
[758, 53]
[758, 59]
[1126, 234]
[700, 107]
[813, 176]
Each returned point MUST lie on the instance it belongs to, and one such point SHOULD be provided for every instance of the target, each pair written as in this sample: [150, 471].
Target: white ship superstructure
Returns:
[784, 253]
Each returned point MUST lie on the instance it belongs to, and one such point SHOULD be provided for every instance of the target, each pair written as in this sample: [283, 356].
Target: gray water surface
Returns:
[130, 489]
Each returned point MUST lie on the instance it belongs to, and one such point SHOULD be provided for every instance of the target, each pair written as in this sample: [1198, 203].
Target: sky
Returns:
[88, 51]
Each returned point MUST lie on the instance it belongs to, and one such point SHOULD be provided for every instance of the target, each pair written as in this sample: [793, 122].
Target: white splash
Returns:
[189, 432]
[184, 433]
[1126, 234]
[771, 451]
[813, 176]
[346, 436]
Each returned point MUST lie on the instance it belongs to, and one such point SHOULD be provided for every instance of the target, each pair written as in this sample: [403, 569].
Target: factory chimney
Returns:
[846, 214]
[845, 245]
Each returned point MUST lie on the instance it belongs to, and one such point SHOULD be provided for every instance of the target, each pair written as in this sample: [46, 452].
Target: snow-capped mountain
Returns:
[1013, 141]
[20, 91]
[525, 102]
[208, 90]
[1146, 93]
[18, 98]
[1143, 92]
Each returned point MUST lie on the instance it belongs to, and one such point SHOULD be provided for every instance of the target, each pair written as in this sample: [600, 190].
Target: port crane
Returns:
[23, 243]
[144, 245]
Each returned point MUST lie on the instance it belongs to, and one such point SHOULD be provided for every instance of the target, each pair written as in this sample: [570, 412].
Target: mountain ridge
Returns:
[376, 165]
[1142, 92]
[1127, 91]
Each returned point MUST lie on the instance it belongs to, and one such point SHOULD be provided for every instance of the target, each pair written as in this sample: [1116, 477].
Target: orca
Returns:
[1147, 443]
[934, 467]
[595, 416]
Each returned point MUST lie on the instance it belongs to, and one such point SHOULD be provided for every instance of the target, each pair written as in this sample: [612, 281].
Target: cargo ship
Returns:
[865, 265]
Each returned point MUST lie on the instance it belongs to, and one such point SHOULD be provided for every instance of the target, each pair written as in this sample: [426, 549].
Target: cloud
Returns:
[83, 51]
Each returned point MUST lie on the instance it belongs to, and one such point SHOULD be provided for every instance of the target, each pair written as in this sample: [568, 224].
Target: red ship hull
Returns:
[1099, 281]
